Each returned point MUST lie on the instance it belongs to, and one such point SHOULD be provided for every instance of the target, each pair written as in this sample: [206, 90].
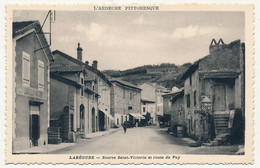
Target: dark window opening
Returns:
[188, 100]
[71, 122]
[195, 98]
[130, 107]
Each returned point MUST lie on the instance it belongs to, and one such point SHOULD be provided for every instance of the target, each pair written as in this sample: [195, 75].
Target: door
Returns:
[219, 97]
[82, 118]
[34, 125]
[93, 119]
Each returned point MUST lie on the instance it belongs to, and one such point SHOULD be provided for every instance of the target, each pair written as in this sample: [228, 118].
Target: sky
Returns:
[121, 40]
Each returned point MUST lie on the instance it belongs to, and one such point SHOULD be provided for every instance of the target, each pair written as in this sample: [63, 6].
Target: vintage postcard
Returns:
[130, 84]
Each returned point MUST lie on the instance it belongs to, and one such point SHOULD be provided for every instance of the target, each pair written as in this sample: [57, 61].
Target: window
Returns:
[195, 98]
[130, 107]
[26, 69]
[169, 104]
[117, 121]
[131, 96]
[40, 75]
[143, 109]
[190, 79]
[81, 81]
[188, 100]
[82, 88]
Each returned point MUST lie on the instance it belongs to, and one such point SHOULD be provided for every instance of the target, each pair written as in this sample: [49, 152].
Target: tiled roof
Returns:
[67, 69]
[82, 63]
[22, 27]
[125, 83]
[172, 93]
[219, 74]
[63, 79]
[19, 28]
[177, 95]
[195, 65]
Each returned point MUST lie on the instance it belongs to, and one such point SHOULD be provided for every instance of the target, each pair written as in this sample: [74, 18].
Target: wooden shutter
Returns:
[26, 69]
[40, 75]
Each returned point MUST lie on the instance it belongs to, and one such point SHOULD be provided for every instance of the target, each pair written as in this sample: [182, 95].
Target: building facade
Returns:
[173, 105]
[213, 89]
[148, 106]
[154, 92]
[88, 117]
[31, 89]
[125, 102]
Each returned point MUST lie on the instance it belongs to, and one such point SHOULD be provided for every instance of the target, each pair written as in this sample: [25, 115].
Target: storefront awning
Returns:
[106, 113]
[137, 115]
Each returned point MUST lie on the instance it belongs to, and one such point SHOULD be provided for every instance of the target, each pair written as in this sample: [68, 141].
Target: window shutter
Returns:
[40, 75]
[26, 68]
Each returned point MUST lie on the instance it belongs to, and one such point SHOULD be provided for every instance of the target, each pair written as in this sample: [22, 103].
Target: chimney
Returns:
[87, 62]
[79, 52]
[214, 46]
[94, 64]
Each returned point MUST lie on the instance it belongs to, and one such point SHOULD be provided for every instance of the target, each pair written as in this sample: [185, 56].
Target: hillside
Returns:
[167, 75]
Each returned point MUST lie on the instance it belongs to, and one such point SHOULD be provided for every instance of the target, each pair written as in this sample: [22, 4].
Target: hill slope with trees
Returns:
[166, 74]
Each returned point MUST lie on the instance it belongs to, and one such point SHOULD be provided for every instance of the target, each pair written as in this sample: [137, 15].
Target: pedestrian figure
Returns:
[124, 126]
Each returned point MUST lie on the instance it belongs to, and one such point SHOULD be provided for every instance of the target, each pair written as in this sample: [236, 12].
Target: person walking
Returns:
[124, 126]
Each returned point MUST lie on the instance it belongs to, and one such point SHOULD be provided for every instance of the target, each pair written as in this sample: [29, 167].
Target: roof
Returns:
[67, 69]
[195, 65]
[148, 101]
[219, 74]
[192, 68]
[124, 83]
[156, 86]
[76, 61]
[173, 93]
[177, 95]
[64, 80]
[19, 28]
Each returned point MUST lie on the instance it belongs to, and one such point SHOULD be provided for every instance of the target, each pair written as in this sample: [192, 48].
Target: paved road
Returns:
[141, 140]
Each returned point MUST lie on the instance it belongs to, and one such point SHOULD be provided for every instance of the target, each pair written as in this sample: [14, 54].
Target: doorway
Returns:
[93, 119]
[34, 124]
[220, 97]
[82, 117]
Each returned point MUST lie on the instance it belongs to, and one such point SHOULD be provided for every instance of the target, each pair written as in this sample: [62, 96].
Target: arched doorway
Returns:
[82, 117]
[93, 119]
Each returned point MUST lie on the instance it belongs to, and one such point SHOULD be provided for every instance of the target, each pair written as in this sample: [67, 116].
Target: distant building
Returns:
[213, 89]
[173, 105]
[31, 89]
[148, 106]
[154, 92]
[125, 102]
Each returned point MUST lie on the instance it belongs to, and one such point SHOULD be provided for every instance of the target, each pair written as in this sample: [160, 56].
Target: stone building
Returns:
[148, 106]
[83, 97]
[213, 89]
[154, 92]
[125, 102]
[173, 105]
[31, 59]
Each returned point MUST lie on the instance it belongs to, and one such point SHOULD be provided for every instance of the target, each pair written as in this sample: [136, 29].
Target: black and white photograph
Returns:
[125, 83]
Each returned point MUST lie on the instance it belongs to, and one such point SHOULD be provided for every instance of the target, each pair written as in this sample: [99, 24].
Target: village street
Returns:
[140, 140]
